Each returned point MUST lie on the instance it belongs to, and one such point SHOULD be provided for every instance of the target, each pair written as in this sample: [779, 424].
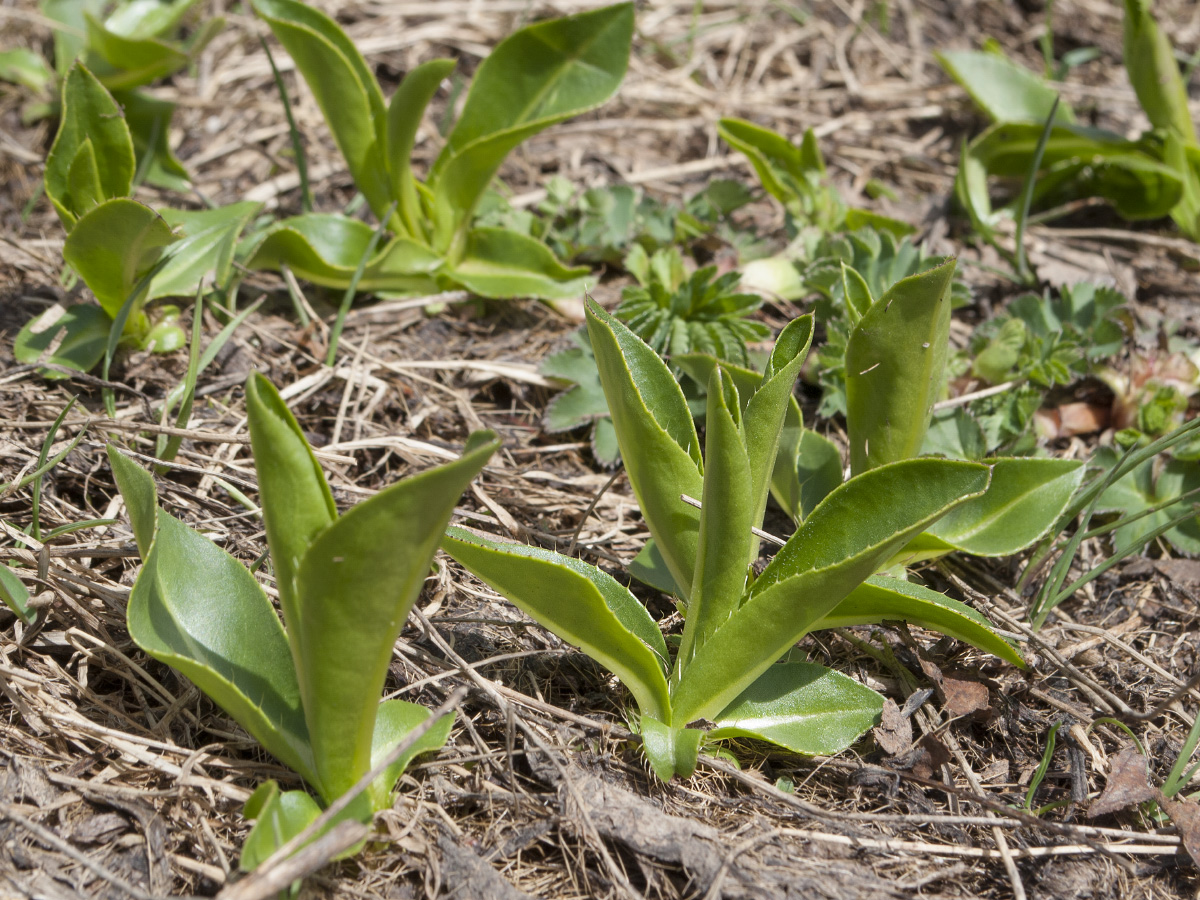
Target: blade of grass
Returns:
[1039, 775]
[352, 288]
[1026, 198]
[35, 525]
[297, 144]
[118, 329]
[1088, 495]
[168, 445]
[1176, 779]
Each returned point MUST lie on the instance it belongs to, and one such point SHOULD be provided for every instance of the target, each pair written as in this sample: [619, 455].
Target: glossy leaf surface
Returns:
[501, 263]
[579, 603]
[83, 328]
[193, 606]
[355, 584]
[652, 422]
[1025, 498]
[1006, 91]
[15, 595]
[895, 364]
[204, 253]
[278, 817]
[325, 249]
[882, 599]
[344, 87]
[802, 706]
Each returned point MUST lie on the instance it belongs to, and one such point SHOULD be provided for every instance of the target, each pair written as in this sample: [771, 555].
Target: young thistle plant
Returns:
[733, 674]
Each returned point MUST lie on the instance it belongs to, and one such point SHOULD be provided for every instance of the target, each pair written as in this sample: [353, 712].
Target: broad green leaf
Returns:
[499, 263]
[204, 254]
[1154, 73]
[971, 191]
[26, 67]
[15, 595]
[149, 121]
[83, 180]
[139, 19]
[84, 329]
[882, 599]
[802, 706]
[89, 114]
[325, 249]
[344, 87]
[297, 504]
[671, 751]
[1024, 500]
[865, 218]
[69, 42]
[393, 722]
[579, 603]
[808, 476]
[726, 546]
[355, 585]
[405, 111]
[657, 435]
[842, 543]
[1006, 91]
[197, 609]
[856, 292]
[113, 246]
[131, 61]
[895, 362]
[278, 817]
[540, 75]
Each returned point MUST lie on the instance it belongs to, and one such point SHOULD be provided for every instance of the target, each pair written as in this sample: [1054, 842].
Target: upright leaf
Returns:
[657, 436]
[540, 75]
[1154, 73]
[90, 118]
[355, 584]
[297, 504]
[344, 87]
[1006, 91]
[726, 546]
[895, 363]
[204, 254]
[405, 111]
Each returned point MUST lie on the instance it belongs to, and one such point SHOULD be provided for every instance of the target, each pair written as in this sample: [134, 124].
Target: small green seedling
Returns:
[308, 688]
[726, 680]
[124, 251]
[538, 76]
